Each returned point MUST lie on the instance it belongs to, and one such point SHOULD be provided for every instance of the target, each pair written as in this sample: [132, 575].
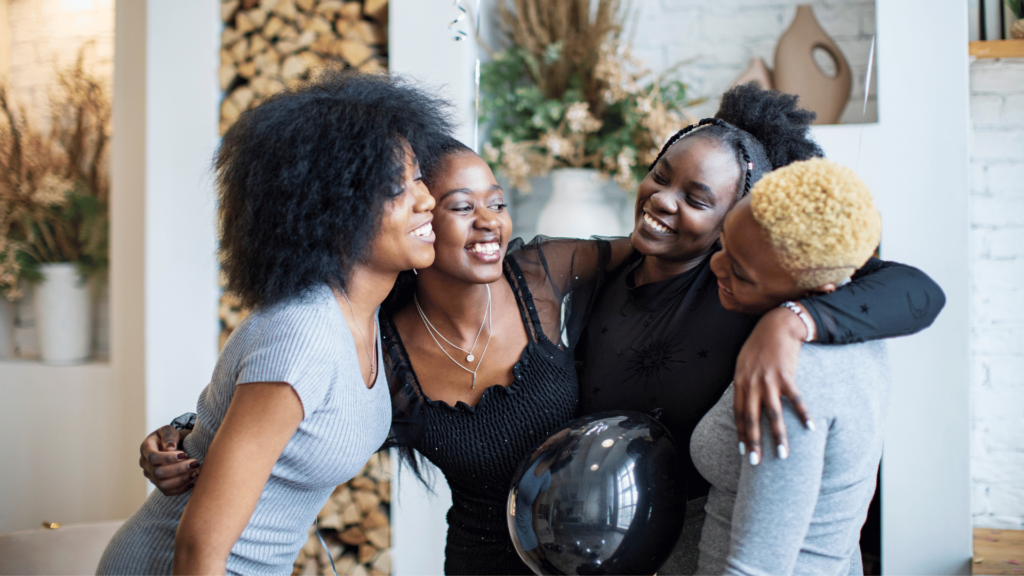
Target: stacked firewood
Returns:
[267, 44]
[355, 524]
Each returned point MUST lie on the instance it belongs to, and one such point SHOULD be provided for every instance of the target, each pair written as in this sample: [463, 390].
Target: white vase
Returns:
[62, 315]
[582, 204]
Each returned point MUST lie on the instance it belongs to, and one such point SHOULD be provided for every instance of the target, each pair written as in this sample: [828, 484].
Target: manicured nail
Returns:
[182, 456]
[811, 426]
[754, 459]
[743, 449]
[170, 446]
[783, 452]
[194, 465]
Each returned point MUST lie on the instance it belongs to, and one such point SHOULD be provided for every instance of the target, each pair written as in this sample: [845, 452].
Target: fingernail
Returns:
[182, 456]
[783, 452]
[170, 446]
[194, 465]
[754, 459]
[743, 449]
[811, 426]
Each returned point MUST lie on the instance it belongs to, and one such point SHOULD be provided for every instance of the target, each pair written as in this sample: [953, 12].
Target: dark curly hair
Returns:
[765, 129]
[304, 178]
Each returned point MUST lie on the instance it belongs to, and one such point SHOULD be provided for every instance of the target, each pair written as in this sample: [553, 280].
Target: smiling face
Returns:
[470, 220]
[751, 278]
[682, 203]
[405, 239]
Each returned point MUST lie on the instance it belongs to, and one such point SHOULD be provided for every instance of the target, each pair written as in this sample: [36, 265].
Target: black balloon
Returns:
[601, 496]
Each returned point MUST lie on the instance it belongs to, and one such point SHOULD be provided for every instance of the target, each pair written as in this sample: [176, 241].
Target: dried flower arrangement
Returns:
[54, 189]
[568, 93]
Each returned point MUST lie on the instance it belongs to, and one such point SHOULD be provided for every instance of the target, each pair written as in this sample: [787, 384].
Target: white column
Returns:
[182, 97]
[916, 162]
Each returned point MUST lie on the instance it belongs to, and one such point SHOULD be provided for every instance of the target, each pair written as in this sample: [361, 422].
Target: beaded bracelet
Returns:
[802, 316]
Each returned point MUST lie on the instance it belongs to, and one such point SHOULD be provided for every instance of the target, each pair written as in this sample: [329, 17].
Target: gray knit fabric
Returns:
[305, 342]
[802, 515]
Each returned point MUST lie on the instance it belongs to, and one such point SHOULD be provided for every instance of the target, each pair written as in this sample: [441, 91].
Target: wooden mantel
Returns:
[997, 49]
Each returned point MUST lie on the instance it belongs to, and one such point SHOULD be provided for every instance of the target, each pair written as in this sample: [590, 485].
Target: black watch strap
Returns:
[186, 421]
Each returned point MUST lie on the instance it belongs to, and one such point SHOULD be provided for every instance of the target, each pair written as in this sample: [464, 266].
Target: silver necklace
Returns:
[469, 353]
[469, 358]
[372, 355]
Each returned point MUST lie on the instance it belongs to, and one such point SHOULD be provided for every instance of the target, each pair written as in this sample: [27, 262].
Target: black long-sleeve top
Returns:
[669, 348]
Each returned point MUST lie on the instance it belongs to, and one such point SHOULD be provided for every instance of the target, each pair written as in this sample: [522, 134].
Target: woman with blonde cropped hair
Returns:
[804, 229]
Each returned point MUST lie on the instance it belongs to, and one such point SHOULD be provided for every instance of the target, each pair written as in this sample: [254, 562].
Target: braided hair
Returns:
[765, 129]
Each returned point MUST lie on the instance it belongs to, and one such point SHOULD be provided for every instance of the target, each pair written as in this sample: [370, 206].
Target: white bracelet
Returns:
[802, 316]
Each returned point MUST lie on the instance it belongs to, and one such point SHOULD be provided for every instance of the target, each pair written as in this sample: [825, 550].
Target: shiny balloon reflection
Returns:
[601, 496]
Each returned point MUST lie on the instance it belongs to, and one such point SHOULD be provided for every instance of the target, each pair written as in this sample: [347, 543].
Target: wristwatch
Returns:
[186, 421]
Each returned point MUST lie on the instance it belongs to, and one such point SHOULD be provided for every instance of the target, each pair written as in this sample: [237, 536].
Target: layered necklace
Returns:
[370, 353]
[431, 329]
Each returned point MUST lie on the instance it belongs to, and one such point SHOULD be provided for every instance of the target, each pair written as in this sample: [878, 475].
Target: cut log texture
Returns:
[269, 44]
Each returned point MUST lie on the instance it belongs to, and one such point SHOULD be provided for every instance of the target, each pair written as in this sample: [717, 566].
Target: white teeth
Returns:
[654, 224]
[423, 231]
[485, 248]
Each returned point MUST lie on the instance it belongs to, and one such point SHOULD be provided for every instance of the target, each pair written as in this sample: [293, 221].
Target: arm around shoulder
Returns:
[882, 300]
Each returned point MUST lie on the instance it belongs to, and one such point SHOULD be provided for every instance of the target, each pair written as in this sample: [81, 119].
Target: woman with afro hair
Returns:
[321, 206]
[658, 339]
[805, 228]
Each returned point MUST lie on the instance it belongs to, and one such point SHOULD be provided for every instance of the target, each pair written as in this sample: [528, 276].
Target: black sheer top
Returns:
[669, 348]
[478, 448]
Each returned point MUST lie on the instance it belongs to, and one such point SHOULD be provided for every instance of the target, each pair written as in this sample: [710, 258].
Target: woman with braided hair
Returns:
[659, 341]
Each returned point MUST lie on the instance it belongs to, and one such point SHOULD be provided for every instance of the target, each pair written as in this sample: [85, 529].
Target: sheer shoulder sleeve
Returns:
[562, 276]
[882, 300]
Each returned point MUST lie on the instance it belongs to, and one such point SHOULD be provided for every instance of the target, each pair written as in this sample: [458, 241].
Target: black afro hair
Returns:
[304, 177]
[774, 119]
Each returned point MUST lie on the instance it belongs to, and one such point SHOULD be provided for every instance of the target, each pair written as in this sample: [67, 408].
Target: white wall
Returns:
[69, 437]
[915, 160]
[182, 104]
[997, 300]
[45, 34]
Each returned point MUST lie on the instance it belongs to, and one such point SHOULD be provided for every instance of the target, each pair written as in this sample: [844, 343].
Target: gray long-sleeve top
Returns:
[802, 515]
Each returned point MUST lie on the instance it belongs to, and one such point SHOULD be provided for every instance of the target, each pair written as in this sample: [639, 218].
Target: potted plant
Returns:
[53, 209]
[568, 96]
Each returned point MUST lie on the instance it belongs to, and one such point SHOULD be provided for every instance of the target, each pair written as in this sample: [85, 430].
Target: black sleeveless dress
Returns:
[478, 448]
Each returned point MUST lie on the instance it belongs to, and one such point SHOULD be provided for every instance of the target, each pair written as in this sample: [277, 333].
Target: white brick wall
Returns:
[997, 284]
[719, 38]
[48, 33]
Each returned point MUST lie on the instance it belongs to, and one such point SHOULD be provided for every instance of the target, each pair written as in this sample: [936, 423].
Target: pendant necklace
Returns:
[431, 329]
[372, 355]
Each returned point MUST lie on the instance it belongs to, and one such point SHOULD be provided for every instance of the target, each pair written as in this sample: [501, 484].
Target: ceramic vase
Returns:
[62, 315]
[757, 71]
[797, 73]
[580, 206]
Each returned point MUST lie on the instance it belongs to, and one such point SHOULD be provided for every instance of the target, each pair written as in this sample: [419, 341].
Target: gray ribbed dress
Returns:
[305, 342]
[802, 515]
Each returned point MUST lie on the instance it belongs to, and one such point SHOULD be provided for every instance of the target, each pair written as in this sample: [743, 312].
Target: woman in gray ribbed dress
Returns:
[321, 206]
[804, 228]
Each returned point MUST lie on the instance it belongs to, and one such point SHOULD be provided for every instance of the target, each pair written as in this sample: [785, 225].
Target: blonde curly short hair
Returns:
[820, 218]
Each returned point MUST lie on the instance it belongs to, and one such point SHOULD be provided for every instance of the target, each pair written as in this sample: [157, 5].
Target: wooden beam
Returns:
[997, 49]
